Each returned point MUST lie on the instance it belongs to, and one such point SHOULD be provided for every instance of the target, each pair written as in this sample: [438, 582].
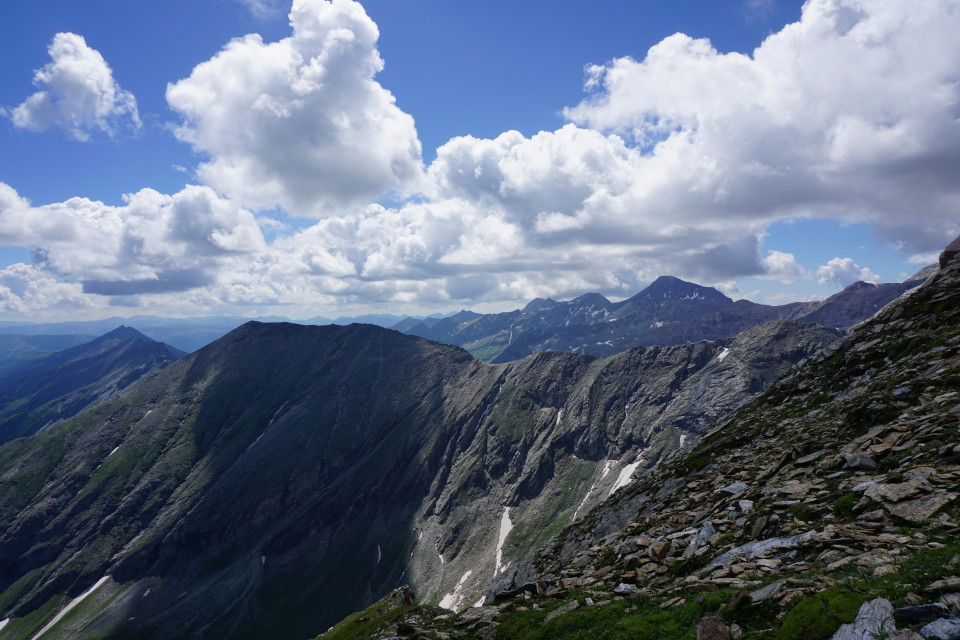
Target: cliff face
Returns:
[285, 476]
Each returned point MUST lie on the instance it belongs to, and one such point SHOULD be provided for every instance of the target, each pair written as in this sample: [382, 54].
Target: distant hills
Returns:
[185, 334]
[42, 391]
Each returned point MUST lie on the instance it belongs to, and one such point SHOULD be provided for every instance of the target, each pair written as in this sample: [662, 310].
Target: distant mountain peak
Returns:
[124, 332]
[539, 303]
[858, 285]
[591, 300]
[675, 288]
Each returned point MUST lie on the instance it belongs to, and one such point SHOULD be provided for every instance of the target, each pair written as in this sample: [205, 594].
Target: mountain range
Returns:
[284, 476]
[826, 508]
[668, 312]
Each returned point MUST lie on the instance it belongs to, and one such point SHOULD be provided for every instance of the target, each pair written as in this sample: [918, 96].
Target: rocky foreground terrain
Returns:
[825, 508]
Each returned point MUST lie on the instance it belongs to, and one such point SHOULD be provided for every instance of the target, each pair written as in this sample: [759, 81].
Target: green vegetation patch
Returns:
[820, 615]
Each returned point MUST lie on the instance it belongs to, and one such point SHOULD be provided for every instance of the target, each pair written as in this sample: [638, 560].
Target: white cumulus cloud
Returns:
[843, 272]
[77, 93]
[154, 243]
[783, 266]
[300, 123]
[850, 113]
[26, 290]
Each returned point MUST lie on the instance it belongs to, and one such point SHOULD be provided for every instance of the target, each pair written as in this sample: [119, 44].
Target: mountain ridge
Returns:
[832, 495]
[39, 392]
[669, 311]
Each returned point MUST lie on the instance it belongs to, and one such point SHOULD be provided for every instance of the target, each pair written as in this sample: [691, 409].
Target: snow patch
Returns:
[607, 466]
[559, 415]
[454, 599]
[146, 593]
[73, 603]
[4, 623]
[276, 413]
[625, 475]
[723, 354]
[112, 452]
[478, 603]
[505, 527]
[379, 555]
[255, 441]
[263, 560]
[683, 438]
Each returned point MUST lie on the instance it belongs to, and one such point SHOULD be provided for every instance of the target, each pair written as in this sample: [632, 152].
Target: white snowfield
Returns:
[505, 527]
[723, 354]
[67, 609]
[454, 599]
[625, 475]
[607, 466]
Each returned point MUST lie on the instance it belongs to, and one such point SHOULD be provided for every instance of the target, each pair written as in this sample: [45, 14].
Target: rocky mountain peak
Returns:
[124, 332]
[591, 300]
[949, 256]
[539, 303]
[675, 288]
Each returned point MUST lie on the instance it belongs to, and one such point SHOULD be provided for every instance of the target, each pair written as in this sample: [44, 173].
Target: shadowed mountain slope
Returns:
[44, 390]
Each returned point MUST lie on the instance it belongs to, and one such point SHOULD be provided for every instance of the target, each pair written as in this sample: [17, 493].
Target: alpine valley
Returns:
[670, 466]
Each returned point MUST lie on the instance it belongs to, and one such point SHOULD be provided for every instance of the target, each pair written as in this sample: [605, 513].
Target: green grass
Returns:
[820, 615]
[844, 505]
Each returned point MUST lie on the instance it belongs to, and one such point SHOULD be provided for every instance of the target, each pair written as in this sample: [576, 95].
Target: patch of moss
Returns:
[820, 615]
[844, 505]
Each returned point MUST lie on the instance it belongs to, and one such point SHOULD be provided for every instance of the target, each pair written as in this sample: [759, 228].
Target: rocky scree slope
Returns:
[284, 476]
[825, 508]
[42, 391]
[668, 312]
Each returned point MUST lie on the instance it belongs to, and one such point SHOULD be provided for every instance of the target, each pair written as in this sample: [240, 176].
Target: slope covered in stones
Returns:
[832, 495]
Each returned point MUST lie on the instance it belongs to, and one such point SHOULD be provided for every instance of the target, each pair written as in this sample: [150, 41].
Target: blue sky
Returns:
[419, 156]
